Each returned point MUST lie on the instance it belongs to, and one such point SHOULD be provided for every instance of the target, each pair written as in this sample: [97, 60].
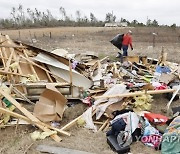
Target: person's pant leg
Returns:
[125, 48]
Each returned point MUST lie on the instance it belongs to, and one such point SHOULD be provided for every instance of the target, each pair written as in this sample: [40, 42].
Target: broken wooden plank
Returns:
[2, 58]
[16, 58]
[98, 122]
[8, 62]
[16, 115]
[131, 59]
[48, 75]
[44, 84]
[12, 73]
[4, 55]
[72, 123]
[12, 46]
[104, 125]
[137, 93]
[93, 67]
[28, 114]
[31, 66]
[22, 95]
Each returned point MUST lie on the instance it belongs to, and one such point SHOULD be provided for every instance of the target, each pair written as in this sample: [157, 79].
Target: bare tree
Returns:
[110, 17]
[13, 13]
[21, 15]
[93, 19]
[63, 13]
[78, 15]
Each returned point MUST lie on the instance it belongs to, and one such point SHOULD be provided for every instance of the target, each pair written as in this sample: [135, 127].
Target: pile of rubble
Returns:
[118, 94]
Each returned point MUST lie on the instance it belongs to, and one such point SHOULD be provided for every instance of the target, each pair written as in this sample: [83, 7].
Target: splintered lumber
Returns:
[104, 125]
[31, 66]
[71, 77]
[22, 96]
[98, 122]
[2, 58]
[9, 61]
[96, 63]
[72, 123]
[48, 75]
[42, 84]
[16, 58]
[1, 42]
[137, 93]
[16, 115]
[29, 115]
[12, 73]
[12, 46]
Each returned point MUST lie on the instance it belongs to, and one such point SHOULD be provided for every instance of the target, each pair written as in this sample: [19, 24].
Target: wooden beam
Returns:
[104, 125]
[137, 93]
[72, 123]
[48, 75]
[70, 75]
[22, 62]
[28, 114]
[98, 122]
[93, 67]
[31, 66]
[16, 115]
[12, 73]
[16, 58]
[2, 57]
[12, 46]
[45, 84]
[9, 61]
[22, 95]
[9, 77]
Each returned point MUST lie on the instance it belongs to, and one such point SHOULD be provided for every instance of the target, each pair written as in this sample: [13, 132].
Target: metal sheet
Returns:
[62, 71]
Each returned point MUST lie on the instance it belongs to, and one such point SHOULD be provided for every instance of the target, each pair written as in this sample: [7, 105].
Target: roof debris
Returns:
[117, 93]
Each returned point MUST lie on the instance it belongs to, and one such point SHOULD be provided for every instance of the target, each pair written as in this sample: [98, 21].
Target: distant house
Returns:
[116, 24]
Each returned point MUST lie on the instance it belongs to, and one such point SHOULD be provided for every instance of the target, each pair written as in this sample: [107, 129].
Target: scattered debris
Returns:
[118, 94]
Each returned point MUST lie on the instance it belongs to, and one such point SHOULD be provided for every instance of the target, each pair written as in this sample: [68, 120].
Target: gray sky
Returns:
[164, 11]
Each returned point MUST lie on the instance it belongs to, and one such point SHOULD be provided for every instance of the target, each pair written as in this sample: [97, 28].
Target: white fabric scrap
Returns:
[87, 116]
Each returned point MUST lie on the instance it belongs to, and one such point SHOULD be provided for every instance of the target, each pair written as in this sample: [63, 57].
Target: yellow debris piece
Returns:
[41, 135]
[143, 102]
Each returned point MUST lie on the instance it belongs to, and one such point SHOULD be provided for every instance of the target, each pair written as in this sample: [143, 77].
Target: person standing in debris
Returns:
[127, 40]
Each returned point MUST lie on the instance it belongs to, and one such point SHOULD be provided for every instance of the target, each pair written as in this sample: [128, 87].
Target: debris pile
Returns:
[118, 93]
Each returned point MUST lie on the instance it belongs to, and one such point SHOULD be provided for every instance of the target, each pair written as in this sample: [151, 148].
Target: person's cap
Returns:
[130, 31]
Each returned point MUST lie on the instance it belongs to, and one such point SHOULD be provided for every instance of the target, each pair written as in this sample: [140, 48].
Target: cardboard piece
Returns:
[166, 78]
[50, 106]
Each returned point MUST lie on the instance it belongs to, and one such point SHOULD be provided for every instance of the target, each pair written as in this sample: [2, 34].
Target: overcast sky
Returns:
[164, 11]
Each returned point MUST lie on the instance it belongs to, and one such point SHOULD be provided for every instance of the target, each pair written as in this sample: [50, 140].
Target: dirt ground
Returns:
[79, 40]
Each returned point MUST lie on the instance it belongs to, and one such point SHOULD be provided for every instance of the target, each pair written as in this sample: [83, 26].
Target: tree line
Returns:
[21, 18]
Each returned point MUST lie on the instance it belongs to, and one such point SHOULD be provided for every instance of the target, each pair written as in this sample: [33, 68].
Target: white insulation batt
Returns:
[62, 71]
